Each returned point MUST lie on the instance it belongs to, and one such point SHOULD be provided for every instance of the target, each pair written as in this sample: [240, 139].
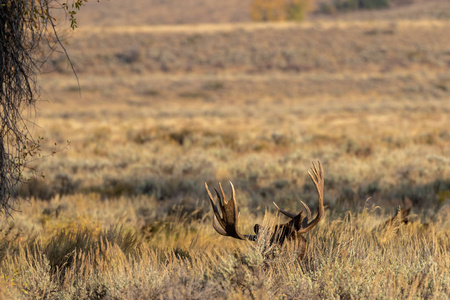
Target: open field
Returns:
[122, 212]
[163, 111]
[176, 12]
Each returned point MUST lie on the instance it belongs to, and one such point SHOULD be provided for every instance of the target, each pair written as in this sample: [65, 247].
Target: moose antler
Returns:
[316, 174]
[225, 222]
[299, 224]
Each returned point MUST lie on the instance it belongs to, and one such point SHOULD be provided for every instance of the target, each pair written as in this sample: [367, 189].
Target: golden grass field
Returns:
[123, 214]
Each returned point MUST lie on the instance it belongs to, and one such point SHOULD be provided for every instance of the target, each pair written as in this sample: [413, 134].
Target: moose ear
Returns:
[256, 228]
[297, 220]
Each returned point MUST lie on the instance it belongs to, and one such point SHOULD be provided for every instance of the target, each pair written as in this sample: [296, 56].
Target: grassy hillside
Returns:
[324, 47]
[122, 212]
[157, 12]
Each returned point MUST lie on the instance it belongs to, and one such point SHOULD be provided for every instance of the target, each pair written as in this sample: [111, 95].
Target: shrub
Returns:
[267, 10]
[373, 4]
[348, 5]
[296, 9]
[327, 8]
[279, 10]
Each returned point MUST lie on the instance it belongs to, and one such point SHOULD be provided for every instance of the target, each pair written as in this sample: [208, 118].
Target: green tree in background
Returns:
[361, 4]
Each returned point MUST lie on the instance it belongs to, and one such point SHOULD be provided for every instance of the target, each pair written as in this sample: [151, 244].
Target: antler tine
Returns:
[227, 223]
[223, 194]
[219, 197]
[316, 174]
[308, 211]
[233, 199]
[211, 199]
[291, 215]
[287, 214]
[214, 207]
[222, 199]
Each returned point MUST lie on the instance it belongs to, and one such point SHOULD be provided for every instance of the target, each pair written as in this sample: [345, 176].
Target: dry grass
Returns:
[370, 145]
[179, 257]
[122, 213]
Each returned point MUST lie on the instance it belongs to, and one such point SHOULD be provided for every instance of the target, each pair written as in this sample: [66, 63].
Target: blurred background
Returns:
[175, 93]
